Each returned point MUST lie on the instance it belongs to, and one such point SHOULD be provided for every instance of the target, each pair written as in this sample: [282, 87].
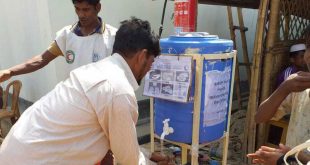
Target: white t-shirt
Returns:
[82, 50]
[298, 105]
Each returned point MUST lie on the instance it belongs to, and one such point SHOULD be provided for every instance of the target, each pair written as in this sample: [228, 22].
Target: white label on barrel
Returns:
[216, 96]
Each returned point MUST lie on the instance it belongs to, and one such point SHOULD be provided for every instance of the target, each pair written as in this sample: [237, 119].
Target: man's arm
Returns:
[122, 131]
[268, 108]
[273, 156]
[268, 155]
[35, 63]
[295, 83]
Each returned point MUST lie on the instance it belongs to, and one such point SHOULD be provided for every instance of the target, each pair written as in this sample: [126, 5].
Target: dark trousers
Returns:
[108, 159]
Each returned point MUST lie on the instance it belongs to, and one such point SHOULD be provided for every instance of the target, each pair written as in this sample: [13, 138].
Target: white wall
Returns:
[25, 31]
[28, 27]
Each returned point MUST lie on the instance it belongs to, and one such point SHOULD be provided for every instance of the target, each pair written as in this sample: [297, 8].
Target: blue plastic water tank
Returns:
[181, 114]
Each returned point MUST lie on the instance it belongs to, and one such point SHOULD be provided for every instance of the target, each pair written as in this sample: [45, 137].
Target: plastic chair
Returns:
[13, 111]
[1, 95]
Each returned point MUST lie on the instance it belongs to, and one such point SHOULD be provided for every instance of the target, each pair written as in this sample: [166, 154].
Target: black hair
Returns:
[91, 2]
[134, 35]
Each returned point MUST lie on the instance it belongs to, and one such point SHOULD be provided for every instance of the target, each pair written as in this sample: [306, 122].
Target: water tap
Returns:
[166, 129]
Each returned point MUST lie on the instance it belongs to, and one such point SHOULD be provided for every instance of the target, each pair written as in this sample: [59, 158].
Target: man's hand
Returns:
[267, 155]
[162, 159]
[284, 149]
[5, 75]
[307, 57]
[297, 82]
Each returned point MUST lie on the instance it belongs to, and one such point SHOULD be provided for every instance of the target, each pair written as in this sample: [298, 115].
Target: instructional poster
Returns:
[169, 78]
[216, 96]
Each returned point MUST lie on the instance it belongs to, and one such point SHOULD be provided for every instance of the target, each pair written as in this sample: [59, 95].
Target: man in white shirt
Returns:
[292, 97]
[94, 110]
[88, 40]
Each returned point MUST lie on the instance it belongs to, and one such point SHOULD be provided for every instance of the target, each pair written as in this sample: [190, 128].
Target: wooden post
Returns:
[233, 38]
[272, 38]
[196, 15]
[183, 154]
[227, 133]
[152, 124]
[250, 126]
[197, 103]
[231, 26]
[244, 43]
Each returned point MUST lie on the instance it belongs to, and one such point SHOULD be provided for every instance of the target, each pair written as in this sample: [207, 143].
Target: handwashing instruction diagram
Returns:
[169, 78]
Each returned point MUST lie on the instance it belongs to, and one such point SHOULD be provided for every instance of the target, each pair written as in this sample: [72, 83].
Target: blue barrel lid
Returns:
[195, 42]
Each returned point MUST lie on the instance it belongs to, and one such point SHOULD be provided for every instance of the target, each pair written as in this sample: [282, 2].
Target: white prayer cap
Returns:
[297, 47]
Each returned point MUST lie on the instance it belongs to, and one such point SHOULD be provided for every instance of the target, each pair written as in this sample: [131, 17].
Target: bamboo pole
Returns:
[231, 26]
[250, 126]
[272, 38]
[227, 133]
[183, 154]
[196, 14]
[152, 124]
[197, 105]
[233, 38]
[244, 43]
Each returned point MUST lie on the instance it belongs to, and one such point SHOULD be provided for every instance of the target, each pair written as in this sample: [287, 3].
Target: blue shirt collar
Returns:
[76, 28]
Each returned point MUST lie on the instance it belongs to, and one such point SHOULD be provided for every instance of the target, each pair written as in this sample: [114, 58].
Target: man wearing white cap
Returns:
[297, 62]
[291, 97]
